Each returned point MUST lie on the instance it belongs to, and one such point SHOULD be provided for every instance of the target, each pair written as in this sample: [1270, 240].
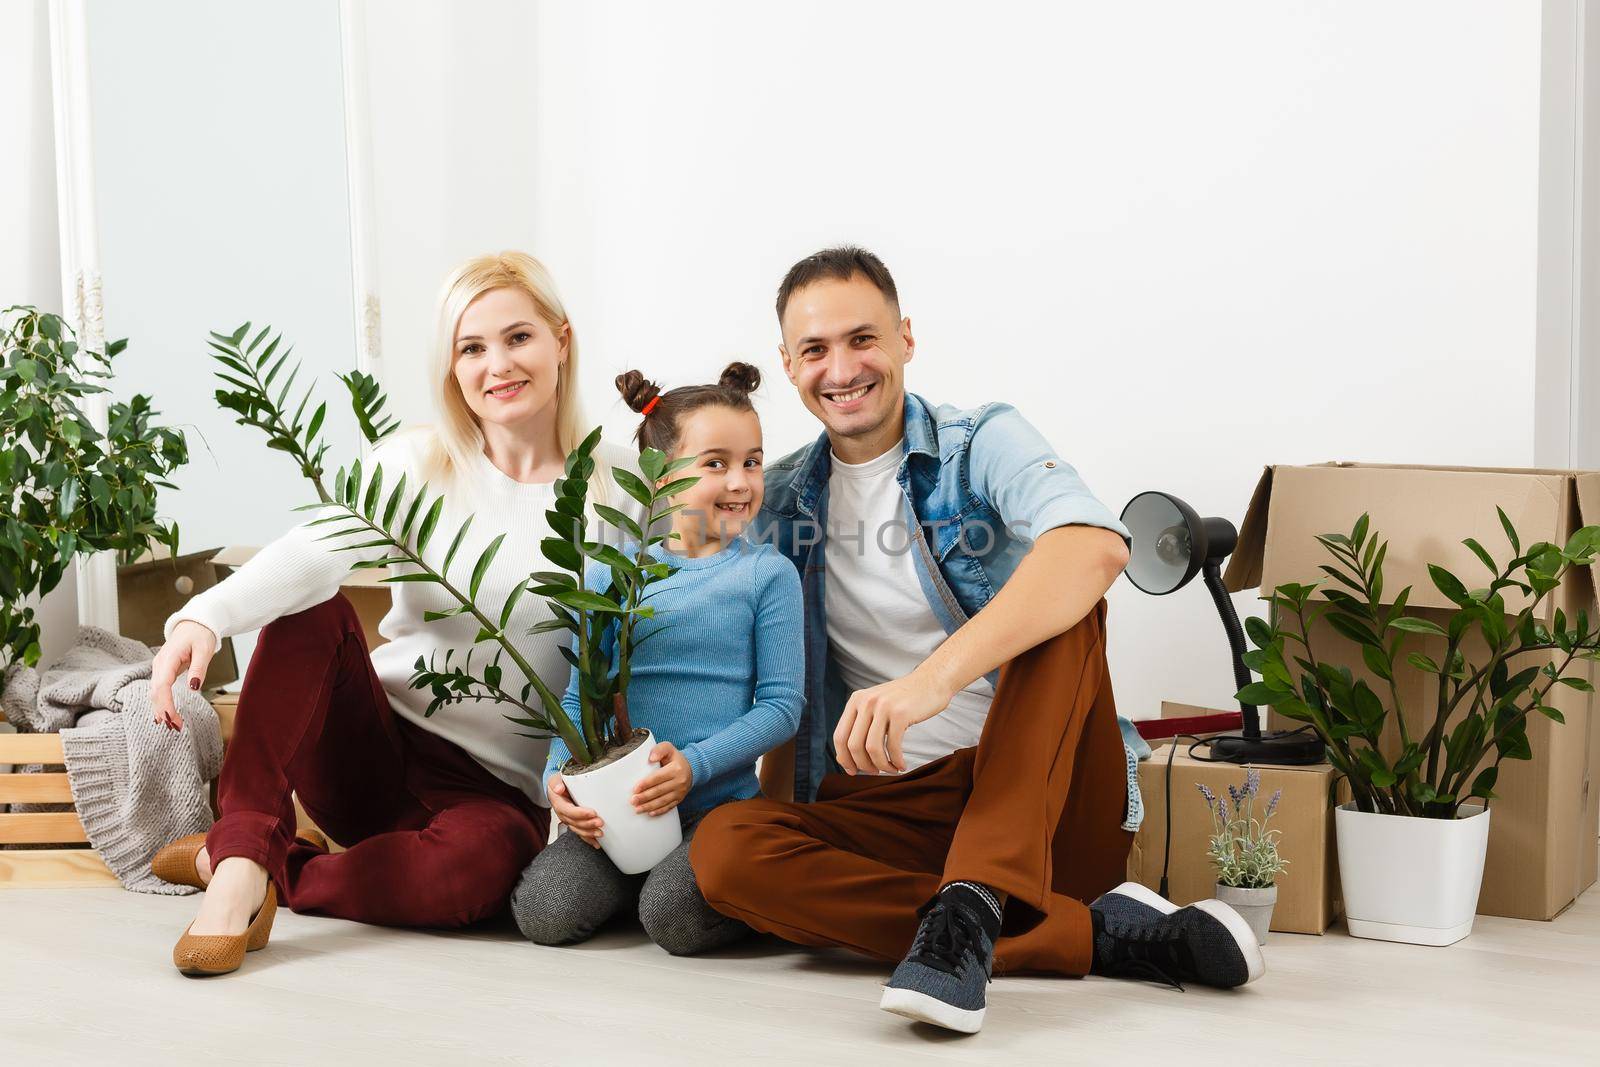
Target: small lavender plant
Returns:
[1243, 849]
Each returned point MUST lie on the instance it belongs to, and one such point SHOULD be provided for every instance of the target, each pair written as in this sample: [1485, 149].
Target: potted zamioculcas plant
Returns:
[394, 523]
[1412, 841]
[1244, 850]
[70, 489]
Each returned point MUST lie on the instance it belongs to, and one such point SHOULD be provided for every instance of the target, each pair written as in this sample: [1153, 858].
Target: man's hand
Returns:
[585, 822]
[664, 790]
[867, 739]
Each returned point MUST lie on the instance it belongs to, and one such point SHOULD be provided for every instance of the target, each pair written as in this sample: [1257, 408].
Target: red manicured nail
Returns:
[194, 683]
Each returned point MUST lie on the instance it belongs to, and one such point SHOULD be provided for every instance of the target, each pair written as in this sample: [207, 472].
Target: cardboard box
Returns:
[1543, 836]
[365, 589]
[151, 588]
[1307, 890]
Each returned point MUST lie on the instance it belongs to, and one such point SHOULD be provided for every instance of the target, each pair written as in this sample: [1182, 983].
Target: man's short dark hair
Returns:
[837, 264]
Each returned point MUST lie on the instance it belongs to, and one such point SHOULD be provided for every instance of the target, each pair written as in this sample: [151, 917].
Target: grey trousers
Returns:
[571, 888]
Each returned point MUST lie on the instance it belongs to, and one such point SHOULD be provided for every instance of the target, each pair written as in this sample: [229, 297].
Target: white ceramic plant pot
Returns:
[1408, 879]
[1254, 904]
[634, 842]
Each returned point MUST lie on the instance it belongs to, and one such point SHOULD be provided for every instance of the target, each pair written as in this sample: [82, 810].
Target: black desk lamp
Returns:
[1171, 544]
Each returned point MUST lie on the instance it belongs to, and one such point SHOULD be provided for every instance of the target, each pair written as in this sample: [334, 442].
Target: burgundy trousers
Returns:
[433, 838]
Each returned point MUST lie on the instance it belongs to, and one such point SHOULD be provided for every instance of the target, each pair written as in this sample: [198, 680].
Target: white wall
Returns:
[1186, 240]
[30, 254]
[451, 120]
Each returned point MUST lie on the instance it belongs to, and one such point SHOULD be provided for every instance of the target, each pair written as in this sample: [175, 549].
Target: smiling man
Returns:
[954, 570]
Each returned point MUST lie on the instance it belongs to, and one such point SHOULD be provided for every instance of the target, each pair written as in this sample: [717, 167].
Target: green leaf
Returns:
[1511, 532]
[482, 566]
[631, 485]
[1483, 785]
[673, 488]
[584, 599]
[562, 554]
[1478, 550]
[393, 506]
[1261, 694]
[620, 521]
[1552, 714]
[1579, 684]
[429, 521]
[1449, 585]
[1423, 663]
[449, 556]
[1412, 625]
[511, 602]
[369, 506]
[417, 576]
[1376, 662]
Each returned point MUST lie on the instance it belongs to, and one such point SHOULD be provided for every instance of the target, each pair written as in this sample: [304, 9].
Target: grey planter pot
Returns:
[1255, 905]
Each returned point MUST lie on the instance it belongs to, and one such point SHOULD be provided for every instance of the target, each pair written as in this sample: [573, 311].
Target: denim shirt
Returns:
[980, 484]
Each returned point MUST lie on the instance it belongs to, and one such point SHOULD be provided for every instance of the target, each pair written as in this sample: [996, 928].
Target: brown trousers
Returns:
[1035, 811]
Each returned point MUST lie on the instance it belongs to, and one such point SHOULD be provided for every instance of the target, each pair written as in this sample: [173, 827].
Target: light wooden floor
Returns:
[85, 977]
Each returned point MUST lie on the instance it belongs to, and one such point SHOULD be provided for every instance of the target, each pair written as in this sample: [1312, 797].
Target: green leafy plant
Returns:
[70, 490]
[392, 526]
[1243, 848]
[1483, 703]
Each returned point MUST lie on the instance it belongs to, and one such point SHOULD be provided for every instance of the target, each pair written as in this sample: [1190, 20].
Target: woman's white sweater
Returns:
[297, 572]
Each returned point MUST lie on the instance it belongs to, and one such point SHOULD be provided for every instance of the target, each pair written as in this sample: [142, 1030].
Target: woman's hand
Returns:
[585, 822]
[664, 790]
[191, 646]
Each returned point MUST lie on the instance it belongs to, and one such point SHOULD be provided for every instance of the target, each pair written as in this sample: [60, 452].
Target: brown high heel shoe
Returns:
[202, 955]
[175, 862]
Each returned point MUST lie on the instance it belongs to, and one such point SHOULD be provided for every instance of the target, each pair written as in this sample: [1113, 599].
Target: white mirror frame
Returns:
[80, 255]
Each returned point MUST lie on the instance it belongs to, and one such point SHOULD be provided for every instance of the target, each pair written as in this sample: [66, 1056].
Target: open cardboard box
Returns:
[152, 587]
[1308, 888]
[1543, 835]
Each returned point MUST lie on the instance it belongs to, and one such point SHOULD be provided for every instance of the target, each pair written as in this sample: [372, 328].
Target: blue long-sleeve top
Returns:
[722, 673]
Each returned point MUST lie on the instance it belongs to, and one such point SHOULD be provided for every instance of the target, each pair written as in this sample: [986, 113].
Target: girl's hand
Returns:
[585, 822]
[191, 646]
[664, 790]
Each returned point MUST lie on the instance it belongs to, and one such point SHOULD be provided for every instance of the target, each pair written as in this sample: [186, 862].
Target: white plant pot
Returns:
[634, 842]
[1255, 905]
[1408, 879]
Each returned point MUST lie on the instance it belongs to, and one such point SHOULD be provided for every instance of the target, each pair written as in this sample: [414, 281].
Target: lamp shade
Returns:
[1169, 542]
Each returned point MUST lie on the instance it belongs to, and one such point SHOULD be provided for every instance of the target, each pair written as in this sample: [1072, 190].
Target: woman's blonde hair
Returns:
[458, 438]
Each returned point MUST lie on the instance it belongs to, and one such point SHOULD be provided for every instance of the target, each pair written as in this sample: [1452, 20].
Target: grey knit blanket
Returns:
[136, 784]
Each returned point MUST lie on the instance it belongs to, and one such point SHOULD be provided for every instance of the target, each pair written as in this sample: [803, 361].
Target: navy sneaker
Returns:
[943, 978]
[1132, 902]
[1206, 943]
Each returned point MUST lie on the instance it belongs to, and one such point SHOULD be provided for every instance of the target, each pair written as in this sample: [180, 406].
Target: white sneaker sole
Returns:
[923, 1008]
[1146, 896]
[1255, 959]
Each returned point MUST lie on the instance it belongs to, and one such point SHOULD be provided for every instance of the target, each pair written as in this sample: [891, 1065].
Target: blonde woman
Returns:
[439, 814]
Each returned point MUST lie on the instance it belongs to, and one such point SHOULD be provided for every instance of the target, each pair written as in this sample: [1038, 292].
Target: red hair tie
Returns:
[653, 402]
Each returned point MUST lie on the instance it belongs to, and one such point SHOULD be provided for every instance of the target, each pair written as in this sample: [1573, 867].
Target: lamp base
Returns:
[1282, 748]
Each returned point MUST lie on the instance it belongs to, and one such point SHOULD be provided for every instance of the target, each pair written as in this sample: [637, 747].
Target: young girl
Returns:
[440, 813]
[719, 686]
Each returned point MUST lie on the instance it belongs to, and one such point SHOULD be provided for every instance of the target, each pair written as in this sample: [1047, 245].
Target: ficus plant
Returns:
[1487, 688]
[70, 489]
[391, 525]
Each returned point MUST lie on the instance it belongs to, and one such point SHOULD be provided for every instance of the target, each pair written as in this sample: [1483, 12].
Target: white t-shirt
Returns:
[880, 626]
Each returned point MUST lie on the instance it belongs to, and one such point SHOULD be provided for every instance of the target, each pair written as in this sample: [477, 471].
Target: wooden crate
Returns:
[61, 867]
[67, 867]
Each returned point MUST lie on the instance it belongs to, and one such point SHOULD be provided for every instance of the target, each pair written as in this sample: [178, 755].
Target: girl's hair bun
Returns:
[740, 377]
[636, 389]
